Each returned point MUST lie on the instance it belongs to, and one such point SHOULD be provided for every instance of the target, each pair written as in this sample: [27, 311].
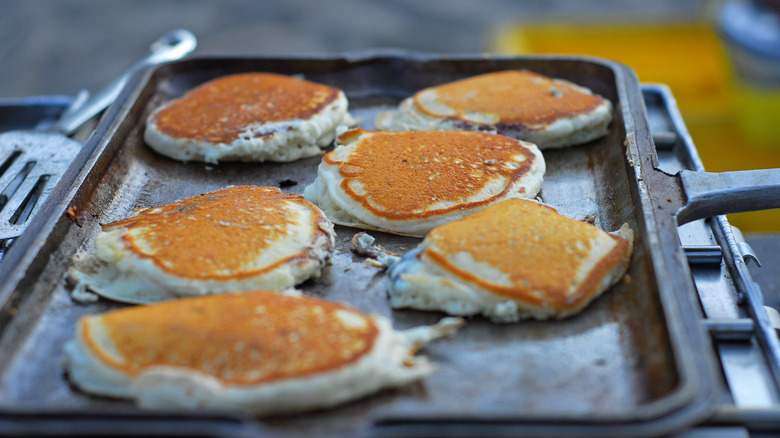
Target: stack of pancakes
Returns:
[458, 164]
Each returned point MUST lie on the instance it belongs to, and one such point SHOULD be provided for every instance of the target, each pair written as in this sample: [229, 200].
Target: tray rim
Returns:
[690, 401]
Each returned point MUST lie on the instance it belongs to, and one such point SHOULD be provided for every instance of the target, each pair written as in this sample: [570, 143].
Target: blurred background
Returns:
[720, 58]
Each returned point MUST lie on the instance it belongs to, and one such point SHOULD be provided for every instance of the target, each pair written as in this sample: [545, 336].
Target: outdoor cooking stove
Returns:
[742, 333]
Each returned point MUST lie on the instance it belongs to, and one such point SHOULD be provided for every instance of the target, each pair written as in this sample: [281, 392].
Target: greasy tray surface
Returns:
[615, 363]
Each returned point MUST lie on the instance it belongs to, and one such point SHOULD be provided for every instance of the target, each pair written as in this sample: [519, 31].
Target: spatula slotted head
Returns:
[31, 164]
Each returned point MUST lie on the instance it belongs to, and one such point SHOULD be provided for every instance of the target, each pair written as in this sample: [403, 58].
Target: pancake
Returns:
[550, 113]
[238, 238]
[516, 259]
[409, 182]
[255, 352]
[248, 117]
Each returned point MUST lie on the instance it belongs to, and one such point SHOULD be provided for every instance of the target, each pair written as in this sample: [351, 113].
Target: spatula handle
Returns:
[171, 46]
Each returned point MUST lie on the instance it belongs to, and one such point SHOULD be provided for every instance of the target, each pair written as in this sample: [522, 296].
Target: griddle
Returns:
[635, 362]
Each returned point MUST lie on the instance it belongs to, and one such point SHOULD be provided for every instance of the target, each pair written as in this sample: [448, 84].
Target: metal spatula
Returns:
[32, 161]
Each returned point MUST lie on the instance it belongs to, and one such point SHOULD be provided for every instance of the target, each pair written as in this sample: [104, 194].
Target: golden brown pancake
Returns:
[517, 103]
[409, 182]
[251, 338]
[515, 259]
[248, 117]
[236, 238]
[255, 351]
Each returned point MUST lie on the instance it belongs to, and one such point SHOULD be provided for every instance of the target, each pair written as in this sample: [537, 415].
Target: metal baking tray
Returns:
[635, 362]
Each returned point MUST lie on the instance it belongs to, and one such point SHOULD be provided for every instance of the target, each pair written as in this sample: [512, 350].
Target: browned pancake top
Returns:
[515, 97]
[538, 248]
[217, 111]
[241, 339]
[403, 173]
[214, 236]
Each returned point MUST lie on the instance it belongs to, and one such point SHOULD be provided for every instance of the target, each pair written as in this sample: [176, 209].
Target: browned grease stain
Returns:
[515, 97]
[404, 173]
[537, 248]
[217, 235]
[218, 110]
[241, 339]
